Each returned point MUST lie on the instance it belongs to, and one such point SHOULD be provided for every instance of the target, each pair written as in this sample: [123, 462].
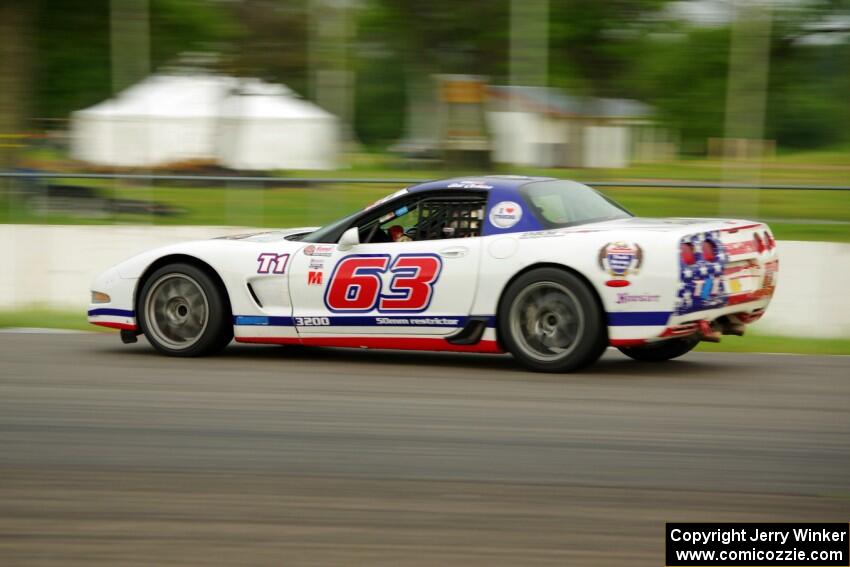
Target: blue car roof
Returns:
[482, 182]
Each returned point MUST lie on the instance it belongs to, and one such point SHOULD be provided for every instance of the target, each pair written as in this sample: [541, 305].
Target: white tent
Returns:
[263, 128]
[240, 123]
[163, 119]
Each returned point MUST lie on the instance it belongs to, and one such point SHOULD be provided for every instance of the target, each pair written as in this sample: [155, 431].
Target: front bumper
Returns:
[119, 312]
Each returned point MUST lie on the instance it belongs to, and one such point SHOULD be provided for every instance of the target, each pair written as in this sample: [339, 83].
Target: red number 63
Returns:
[356, 286]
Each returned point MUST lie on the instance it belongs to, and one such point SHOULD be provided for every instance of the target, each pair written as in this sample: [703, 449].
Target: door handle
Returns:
[454, 252]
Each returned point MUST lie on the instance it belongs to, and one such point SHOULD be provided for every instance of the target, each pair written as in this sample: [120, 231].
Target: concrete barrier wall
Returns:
[52, 266]
[811, 297]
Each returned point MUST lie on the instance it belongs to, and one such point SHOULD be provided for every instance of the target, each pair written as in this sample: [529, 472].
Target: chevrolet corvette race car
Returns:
[548, 270]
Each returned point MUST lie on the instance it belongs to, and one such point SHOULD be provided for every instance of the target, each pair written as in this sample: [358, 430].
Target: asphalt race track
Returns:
[110, 454]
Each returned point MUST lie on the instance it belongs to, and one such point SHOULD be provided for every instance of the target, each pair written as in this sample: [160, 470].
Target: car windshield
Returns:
[330, 232]
[567, 203]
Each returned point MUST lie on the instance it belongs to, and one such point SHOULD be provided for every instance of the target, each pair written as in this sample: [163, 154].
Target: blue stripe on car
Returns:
[363, 321]
[110, 311]
[639, 318]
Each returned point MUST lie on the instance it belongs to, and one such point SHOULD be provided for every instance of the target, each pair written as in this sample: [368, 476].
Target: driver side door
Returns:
[421, 284]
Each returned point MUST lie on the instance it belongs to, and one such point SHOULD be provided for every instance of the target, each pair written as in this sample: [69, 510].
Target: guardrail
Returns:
[400, 181]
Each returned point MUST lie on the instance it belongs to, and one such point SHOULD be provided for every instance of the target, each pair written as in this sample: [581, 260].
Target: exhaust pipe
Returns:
[730, 327]
[707, 333]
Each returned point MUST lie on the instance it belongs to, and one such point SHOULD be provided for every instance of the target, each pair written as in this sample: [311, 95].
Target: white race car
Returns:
[549, 270]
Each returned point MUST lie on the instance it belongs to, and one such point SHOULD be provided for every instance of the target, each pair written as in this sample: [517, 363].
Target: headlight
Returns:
[99, 297]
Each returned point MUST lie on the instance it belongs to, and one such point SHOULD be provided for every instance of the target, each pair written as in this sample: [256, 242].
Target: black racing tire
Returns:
[182, 312]
[550, 320]
[661, 351]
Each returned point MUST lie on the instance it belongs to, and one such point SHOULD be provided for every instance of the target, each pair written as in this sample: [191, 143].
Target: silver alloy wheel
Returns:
[176, 311]
[546, 321]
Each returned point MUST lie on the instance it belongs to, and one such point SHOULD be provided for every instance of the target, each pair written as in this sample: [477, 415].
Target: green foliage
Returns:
[684, 76]
[187, 25]
[809, 93]
[594, 45]
[444, 35]
[73, 65]
[627, 48]
[379, 99]
[272, 41]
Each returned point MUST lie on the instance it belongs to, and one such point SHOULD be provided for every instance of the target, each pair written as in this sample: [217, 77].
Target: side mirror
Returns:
[349, 239]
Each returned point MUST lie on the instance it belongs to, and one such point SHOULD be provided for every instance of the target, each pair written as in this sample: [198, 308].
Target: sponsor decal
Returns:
[311, 321]
[319, 249]
[745, 247]
[558, 232]
[240, 236]
[315, 278]
[317, 263]
[272, 263]
[505, 214]
[621, 259]
[362, 321]
[427, 321]
[471, 184]
[770, 275]
[356, 285]
[398, 193]
[637, 298]
[682, 222]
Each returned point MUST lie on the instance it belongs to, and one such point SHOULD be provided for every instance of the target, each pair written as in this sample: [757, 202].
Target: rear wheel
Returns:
[182, 312]
[661, 351]
[550, 321]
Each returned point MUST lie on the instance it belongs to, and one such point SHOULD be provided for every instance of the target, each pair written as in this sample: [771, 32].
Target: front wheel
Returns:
[182, 312]
[661, 351]
[550, 321]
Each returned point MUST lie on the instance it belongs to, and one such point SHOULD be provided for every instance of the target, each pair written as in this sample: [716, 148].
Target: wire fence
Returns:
[301, 181]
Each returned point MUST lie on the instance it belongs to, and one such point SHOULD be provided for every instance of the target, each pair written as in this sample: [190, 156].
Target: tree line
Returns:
[56, 57]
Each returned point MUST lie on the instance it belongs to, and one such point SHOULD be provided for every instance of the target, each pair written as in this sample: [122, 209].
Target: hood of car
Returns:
[670, 224]
[269, 235]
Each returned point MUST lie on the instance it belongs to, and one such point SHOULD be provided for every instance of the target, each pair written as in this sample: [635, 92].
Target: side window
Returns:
[430, 218]
[443, 218]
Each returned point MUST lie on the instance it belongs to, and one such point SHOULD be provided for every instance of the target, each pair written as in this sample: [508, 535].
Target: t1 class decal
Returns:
[356, 285]
[272, 263]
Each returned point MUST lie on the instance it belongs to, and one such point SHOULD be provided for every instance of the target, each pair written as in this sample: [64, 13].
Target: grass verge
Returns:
[50, 319]
[793, 215]
[42, 318]
[788, 345]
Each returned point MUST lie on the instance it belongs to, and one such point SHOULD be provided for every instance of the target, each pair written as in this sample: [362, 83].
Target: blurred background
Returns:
[273, 113]
[128, 124]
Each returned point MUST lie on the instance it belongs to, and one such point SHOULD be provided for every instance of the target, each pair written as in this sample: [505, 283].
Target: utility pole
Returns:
[17, 35]
[529, 46]
[746, 100]
[332, 34]
[130, 52]
[129, 35]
